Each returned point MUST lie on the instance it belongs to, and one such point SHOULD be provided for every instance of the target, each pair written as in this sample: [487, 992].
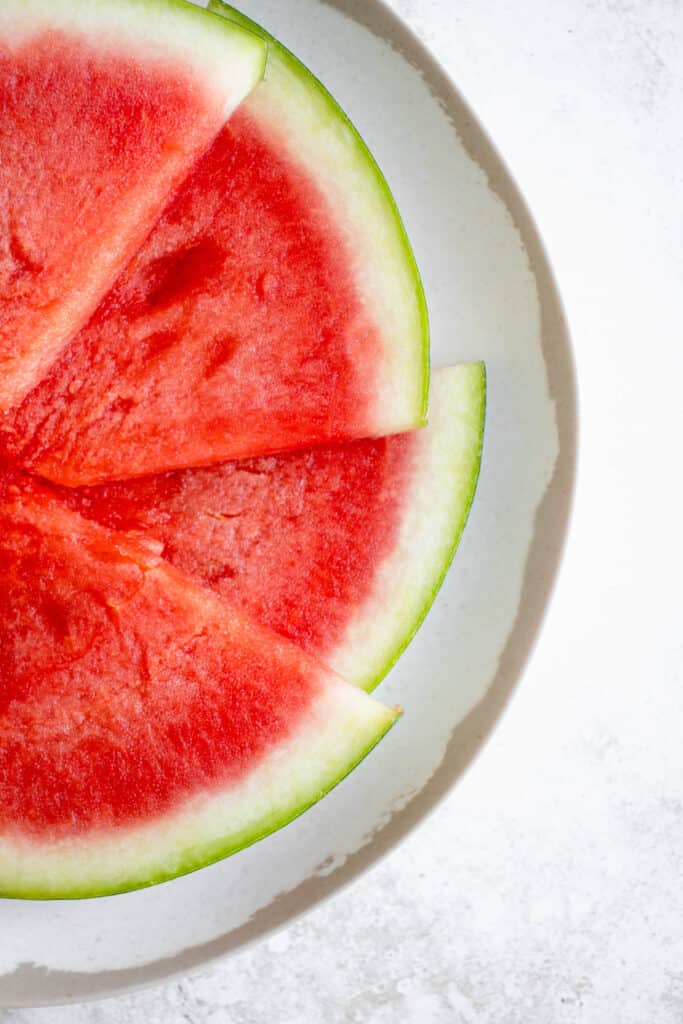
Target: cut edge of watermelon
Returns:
[319, 135]
[448, 459]
[341, 727]
[229, 59]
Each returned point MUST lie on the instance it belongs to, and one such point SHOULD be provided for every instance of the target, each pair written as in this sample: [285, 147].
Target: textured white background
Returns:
[549, 888]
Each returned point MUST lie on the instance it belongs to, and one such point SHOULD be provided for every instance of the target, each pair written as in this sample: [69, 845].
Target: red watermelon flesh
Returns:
[125, 690]
[340, 548]
[98, 127]
[293, 539]
[236, 330]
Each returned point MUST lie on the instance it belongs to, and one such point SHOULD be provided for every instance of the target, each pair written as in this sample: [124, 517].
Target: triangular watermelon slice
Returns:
[105, 105]
[146, 728]
[340, 548]
[275, 305]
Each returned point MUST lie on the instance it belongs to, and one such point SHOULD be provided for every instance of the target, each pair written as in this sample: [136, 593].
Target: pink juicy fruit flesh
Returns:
[91, 145]
[296, 540]
[124, 688]
[237, 330]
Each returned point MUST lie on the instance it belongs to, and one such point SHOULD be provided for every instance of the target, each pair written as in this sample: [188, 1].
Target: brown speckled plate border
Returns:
[51, 987]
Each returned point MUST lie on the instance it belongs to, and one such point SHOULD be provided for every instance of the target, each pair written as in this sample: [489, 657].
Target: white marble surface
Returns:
[547, 890]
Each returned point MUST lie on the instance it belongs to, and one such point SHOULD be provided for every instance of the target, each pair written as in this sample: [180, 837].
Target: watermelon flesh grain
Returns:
[135, 705]
[102, 116]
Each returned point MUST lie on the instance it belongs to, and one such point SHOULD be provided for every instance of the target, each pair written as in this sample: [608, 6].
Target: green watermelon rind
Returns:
[154, 29]
[157, 852]
[448, 462]
[410, 340]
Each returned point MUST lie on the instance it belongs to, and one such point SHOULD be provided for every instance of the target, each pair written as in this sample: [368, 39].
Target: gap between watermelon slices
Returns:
[146, 728]
[341, 548]
[105, 107]
[275, 305]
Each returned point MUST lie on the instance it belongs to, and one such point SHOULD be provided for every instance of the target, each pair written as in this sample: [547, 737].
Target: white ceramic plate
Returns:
[491, 296]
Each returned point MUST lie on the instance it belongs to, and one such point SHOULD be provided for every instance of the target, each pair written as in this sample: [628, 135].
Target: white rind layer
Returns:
[340, 728]
[446, 463]
[296, 110]
[227, 60]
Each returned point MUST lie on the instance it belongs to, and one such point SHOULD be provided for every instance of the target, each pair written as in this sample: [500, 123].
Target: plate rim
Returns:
[543, 563]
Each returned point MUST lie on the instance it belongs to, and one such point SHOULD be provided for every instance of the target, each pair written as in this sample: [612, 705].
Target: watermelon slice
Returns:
[146, 728]
[276, 304]
[340, 548]
[105, 105]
